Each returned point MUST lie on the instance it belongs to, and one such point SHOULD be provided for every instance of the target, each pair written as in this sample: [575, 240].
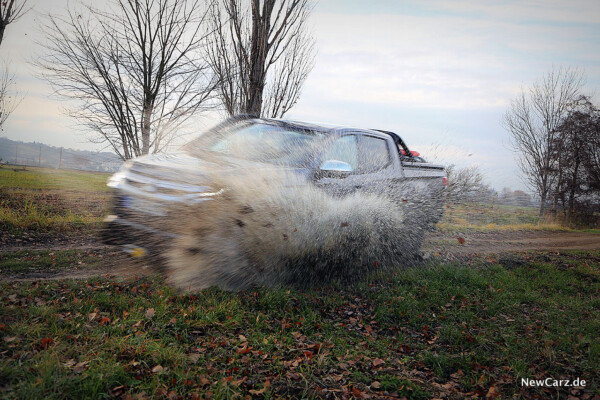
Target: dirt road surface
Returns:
[437, 244]
[502, 242]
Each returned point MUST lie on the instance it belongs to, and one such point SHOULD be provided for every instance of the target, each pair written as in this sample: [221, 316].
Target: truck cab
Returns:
[338, 160]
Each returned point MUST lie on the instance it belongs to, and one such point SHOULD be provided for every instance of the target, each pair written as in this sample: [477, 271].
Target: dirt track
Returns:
[475, 242]
[502, 242]
[436, 244]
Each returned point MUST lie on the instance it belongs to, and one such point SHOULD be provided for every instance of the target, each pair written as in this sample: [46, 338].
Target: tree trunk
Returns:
[261, 25]
[573, 188]
[542, 205]
[2, 28]
[544, 192]
[146, 119]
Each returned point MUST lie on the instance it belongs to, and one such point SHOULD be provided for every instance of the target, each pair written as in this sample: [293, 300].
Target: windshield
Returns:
[261, 142]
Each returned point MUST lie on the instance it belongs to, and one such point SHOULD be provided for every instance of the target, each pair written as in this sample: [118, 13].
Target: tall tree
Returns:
[532, 120]
[10, 11]
[465, 184]
[261, 52]
[9, 100]
[579, 156]
[135, 70]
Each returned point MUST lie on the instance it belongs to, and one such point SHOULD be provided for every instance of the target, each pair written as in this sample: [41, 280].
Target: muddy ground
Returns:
[505, 241]
[437, 244]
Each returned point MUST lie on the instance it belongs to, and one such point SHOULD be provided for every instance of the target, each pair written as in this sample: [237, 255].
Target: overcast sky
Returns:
[440, 73]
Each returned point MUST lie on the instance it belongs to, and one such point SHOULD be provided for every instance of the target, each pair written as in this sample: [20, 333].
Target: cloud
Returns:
[441, 61]
[532, 11]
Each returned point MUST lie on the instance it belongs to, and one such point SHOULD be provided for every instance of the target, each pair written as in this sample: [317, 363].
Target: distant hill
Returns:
[39, 154]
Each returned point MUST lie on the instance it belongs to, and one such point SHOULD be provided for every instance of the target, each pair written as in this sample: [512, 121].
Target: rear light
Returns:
[445, 181]
[412, 152]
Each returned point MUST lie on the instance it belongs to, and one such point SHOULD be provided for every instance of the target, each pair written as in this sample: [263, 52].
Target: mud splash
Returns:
[269, 229]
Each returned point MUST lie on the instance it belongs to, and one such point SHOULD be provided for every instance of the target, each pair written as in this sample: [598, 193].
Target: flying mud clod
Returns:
[264, 230]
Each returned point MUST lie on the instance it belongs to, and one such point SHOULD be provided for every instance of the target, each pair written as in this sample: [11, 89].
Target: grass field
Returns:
[455, 330]
[49, 200]
[452, 330]
[493, 217]
[24, 262]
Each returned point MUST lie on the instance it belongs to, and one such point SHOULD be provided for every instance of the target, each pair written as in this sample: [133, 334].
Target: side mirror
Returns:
[335, 169]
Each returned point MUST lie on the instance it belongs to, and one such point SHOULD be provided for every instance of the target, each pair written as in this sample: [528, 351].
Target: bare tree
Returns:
[135, 70]
[532, 121]
[261, 52]
[465, 184]
[8, 100]
[10, 11]
[578, 166]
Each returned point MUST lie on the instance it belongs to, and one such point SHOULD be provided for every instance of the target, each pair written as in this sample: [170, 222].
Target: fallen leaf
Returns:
[261, 391]
[244, 350]
[239, 382]
[157, 369]
[375, 385]
[69, 363]
[104, 321]
[117, 391]
[461, 240]
[293, 376]
[481, 379]
[492, 393]
[150, 313]
[80, 367]
[45, 342]
[203, 381]
[377, 362]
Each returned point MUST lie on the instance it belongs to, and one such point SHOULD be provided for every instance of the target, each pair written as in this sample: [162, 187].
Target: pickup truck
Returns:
[338, 160]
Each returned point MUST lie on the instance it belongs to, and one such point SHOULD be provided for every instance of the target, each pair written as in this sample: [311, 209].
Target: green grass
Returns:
[28, 261]
[458, 330]
[495, 217]
[48, 200]
[34, 178]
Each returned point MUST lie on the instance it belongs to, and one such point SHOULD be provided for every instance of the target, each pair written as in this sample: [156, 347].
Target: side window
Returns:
[344, 149]
[375, 154]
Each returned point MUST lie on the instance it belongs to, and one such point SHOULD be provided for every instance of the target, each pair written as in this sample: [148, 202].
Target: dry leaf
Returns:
[80, 367]
[261, 391]
[69, 363]
[377, 362]
[45, 342]
[150, 313]
[293, 376]
[203, 381]
[157, 369]
[492, 393]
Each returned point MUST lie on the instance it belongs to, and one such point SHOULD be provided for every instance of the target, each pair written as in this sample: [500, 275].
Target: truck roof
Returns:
[330, 128]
